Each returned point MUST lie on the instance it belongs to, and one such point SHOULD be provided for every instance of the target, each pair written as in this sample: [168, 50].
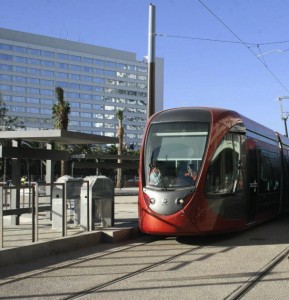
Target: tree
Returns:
[120, 133]
[7, 123]
[60, 113]
[60, 110]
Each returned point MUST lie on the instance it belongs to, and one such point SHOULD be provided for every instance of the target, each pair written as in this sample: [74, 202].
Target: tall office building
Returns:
[97, 81]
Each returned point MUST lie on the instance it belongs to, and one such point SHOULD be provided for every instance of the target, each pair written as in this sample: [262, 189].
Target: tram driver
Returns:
[155, 176]
[191, 173]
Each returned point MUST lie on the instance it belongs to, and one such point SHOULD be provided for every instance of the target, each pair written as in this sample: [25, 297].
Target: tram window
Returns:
[174, 146]
[224, 171]
[268, 170]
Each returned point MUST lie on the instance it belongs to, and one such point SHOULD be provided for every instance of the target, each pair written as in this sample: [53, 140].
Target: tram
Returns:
[210, 170]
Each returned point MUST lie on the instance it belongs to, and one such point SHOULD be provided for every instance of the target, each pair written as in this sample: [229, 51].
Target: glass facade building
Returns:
[97, 82]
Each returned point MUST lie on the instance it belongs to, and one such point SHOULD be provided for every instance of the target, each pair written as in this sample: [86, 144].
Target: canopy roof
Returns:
[58, 136]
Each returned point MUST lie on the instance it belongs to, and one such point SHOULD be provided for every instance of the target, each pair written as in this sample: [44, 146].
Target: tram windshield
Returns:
[174, 153]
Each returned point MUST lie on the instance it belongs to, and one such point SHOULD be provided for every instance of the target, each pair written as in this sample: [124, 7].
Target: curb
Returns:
[11, 256]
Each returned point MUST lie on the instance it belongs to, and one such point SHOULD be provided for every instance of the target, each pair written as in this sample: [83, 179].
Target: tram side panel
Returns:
[284, 206]
[269, 180]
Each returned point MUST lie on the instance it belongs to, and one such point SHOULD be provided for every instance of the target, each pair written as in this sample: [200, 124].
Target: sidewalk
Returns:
[17, 240]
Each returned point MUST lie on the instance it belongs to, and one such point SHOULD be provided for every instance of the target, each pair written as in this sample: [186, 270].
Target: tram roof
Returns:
[59, 136]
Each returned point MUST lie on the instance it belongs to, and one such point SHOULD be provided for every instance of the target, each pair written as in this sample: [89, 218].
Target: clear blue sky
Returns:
[197, 72]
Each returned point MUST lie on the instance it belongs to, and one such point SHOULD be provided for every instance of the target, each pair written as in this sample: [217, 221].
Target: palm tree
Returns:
[120, 132]
[60, 113]
[60, 110]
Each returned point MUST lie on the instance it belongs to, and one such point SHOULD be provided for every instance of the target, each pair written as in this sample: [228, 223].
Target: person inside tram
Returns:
[191, 172]
[155, 176]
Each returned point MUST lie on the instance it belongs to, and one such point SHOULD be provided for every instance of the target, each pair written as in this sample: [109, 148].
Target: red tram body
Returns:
[242, 173]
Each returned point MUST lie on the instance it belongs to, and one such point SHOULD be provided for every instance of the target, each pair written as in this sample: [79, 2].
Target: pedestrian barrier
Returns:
[76, 202]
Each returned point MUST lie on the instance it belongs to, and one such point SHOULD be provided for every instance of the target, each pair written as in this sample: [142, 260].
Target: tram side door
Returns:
[252, 195]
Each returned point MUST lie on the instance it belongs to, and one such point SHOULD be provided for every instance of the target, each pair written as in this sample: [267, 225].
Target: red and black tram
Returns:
[209, 170]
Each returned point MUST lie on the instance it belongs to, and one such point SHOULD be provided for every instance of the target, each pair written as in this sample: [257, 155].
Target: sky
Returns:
[210, 47]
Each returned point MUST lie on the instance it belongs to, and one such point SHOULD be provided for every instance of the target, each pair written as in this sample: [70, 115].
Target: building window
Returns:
[47, 92]
[47, 82]
[19, 89]
[4, 77]
[74, 57]
[98, 116]
[47, 53]
[5, 47]
[61, 65]
[33, 91]
[74, 114]
[33, 110]
[32, 100]
[85, 105]
[5, 57]
[74, 67]
[98, 62]
[18, 99]
[45, 111]
[33, 71]
[33, 61]
[109, 117]
[85, 87]
[19, 69]
[47, 73]
[85, 124]
[72, 95]
[5, 87]
[33, 80]
[87, 60]
[85, 96]
[46, 101]
[74, 104]
[19, 49]
[85, 115]
[19, 59]
[47, 63]
[61, 75]
[61, 83]
[5, 67]
[61, 56]
[74, 76]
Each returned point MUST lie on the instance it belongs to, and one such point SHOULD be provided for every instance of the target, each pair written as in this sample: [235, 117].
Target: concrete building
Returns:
[97, 82]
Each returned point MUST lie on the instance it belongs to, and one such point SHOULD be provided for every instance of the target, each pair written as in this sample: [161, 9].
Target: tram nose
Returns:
[167, 202]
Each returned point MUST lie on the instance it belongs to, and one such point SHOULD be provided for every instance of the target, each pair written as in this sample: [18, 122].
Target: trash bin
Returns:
[101, 202]
[73, 186]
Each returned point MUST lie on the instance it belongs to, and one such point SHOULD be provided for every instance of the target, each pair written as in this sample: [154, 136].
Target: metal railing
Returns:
[31, 205]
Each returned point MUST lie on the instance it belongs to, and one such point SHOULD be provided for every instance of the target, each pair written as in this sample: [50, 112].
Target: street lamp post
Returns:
[151, 62]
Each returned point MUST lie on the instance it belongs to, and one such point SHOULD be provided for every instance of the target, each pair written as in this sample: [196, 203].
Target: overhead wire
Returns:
[241, 41]
[218, 41]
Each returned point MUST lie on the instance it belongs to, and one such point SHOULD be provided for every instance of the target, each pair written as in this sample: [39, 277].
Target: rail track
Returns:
[184, 267]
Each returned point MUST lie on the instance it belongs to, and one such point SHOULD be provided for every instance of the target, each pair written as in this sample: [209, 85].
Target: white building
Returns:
[97, 82]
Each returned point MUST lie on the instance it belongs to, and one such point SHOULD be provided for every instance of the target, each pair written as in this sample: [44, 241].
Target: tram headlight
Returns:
[180, 201]
[152, 200]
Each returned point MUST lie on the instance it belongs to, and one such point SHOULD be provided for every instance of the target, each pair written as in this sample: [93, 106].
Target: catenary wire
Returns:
[240, 40]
